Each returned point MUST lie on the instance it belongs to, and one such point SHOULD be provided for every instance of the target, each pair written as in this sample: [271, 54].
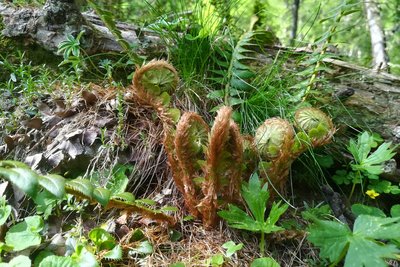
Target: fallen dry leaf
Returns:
[34, 123]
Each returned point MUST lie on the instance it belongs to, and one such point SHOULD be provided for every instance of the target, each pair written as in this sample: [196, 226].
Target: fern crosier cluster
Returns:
[208, 165]
[278, 145]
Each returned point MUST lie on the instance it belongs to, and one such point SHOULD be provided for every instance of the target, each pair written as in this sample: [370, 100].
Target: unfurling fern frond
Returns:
[278, 145]
[224, 158]
[190, 138]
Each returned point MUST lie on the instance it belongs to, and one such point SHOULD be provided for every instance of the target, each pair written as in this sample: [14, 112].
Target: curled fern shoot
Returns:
[224, 156]
[190, 138]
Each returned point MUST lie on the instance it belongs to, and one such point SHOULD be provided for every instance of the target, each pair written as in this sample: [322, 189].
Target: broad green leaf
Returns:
[114, 254]
[231, 248]
[5, 210]
[82, 257]
[395, 210]
[41, 256]
[331, 237]
[360, 209]
[58, 261]
[25, 234]
[237, 218]
[102, 239]
[177, 264]
[364, 252]
[45, 202]
[19, 261]
[144, 247]
[264, 262]
[276, 211]
[256, 197]
[363, 246]
[24, 179]
[364, 161]
[53, 183]
[119, 179]
[216, 260]
[80, 187]
[102, 195]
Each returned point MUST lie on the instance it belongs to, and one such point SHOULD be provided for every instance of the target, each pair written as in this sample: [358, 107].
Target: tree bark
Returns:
[378, 43]
[51, 24]
[295, 16]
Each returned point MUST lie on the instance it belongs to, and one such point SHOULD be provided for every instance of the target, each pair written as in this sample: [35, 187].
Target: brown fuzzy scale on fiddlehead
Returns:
[224, 157]
[274, 139]
[190, 137]
[153, 83]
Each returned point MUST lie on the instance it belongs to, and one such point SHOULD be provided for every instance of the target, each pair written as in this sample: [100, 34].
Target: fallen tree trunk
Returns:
[368, 98]
[48, 26]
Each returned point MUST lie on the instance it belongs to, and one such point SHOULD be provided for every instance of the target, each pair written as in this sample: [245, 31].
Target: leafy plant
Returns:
[219, 259]
[366, 165]
[316, 60]
[264, 262]
[30, 183]
[361, 247]
[256, 197]
[25, 234]
[207, 165]
[71, 50]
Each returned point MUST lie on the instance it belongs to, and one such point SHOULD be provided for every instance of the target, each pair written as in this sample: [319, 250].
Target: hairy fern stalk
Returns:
[208, 165]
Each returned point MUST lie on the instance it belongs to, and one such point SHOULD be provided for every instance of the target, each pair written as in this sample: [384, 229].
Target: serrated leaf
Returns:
[25, 234]
[119, 179]
[102, 196]
[80, 187]
[330, 237]
[361, 245]
[169, 208]
[146, 201]
[53, 183]
[360, 209]
[256, 197]
[19, 261]
[102, 239]
[126, 197]
[231, 248]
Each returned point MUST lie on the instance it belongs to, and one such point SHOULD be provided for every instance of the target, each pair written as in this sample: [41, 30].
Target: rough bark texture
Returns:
[51, 24]
[295, 17]
[378, 43]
